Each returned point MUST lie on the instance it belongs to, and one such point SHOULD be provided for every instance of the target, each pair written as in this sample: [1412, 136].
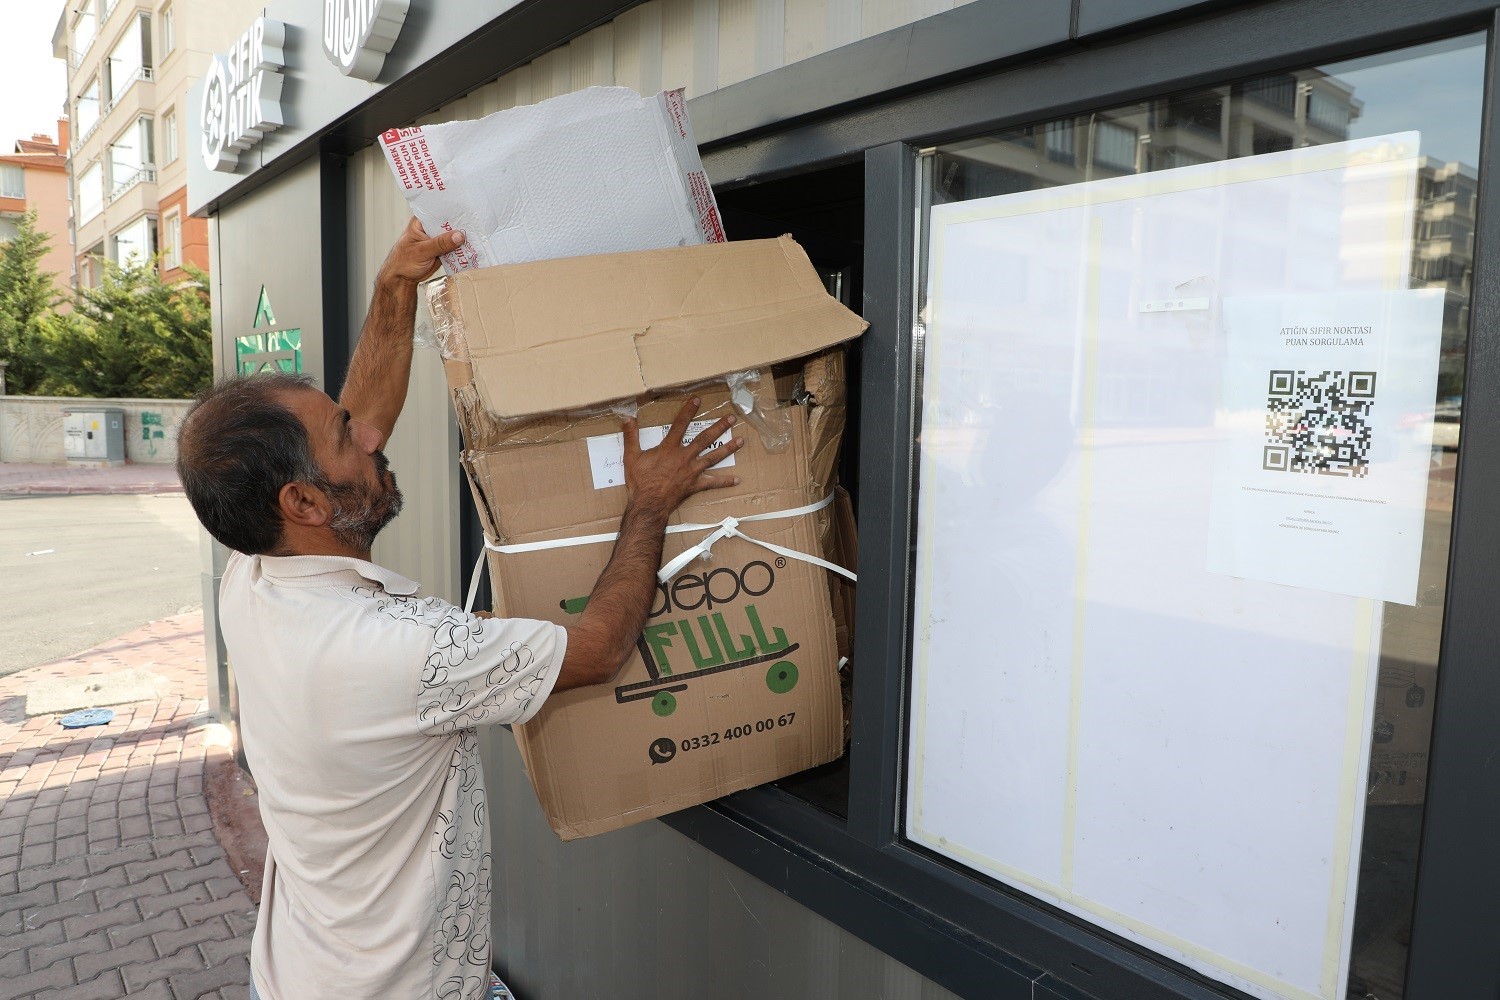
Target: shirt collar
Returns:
[311, 571]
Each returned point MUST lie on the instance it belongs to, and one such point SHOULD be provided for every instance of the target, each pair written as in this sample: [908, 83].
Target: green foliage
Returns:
[132, 336]
[26, 298]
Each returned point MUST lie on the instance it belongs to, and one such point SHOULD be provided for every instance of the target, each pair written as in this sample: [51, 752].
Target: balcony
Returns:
[141, 175]
[141, 99]
[144, 72]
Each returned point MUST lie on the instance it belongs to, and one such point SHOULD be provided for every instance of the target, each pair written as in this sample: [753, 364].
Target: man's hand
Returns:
[415, 256]
[656, 481]
[375, 390]
[659, 480]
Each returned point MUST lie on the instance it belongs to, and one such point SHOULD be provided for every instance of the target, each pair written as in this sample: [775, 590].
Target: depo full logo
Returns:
[357, 34]
[242, 94]
[705, 625]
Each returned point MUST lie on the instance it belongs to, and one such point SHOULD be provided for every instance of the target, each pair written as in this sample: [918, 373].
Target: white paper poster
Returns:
[1135, 695]
[1321, 474]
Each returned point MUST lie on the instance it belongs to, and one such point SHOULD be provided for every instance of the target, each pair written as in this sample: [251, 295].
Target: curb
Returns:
[234, 808]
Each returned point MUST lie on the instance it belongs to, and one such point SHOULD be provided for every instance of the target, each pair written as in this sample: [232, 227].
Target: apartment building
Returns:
[34, 176]
[130, 65]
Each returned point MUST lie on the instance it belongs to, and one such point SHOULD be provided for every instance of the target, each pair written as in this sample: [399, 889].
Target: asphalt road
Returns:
[77, 570]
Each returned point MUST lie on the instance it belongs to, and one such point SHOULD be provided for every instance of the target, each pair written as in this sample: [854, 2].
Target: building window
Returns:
[169, 136]
[1114, 146]
[1278, 93]
[86, 111]
[90, 193]
[1330, 112]
[1060, 141]
[171, 240]
[84, 29]
[134, 244]
[1201, 113]
[130, 59]
[12, 181]
[130, 158]
[168, 29]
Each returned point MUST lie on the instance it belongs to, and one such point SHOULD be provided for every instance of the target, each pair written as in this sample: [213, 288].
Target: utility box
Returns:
[94, 437]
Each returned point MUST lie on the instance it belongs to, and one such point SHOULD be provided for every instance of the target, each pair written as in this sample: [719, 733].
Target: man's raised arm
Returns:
[380, 370]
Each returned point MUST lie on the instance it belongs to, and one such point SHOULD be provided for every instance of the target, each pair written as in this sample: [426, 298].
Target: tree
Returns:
[26, 298]
[131, 336]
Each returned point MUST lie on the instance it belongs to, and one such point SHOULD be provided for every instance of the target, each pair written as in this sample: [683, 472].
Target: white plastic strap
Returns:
[725, 528]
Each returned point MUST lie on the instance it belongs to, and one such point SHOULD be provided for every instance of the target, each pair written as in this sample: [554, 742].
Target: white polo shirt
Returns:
[357, 703]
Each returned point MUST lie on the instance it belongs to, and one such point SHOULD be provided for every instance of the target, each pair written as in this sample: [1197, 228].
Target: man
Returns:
[358, 699]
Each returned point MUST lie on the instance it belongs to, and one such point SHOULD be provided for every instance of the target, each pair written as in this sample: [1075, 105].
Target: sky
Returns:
[35, 84]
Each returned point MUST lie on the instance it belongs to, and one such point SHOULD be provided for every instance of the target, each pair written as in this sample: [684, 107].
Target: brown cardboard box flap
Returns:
[566, 334]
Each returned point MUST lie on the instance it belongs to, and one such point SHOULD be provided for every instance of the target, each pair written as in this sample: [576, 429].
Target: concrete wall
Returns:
[31, 427]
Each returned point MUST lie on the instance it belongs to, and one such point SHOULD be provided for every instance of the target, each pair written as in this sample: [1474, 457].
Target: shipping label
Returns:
[607, 451]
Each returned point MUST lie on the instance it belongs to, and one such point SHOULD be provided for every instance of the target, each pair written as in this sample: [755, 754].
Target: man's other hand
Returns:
[414, 258]
[660, 479]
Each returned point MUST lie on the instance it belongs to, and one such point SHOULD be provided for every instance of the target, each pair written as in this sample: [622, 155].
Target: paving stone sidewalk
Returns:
[111, 880]
[30, 479]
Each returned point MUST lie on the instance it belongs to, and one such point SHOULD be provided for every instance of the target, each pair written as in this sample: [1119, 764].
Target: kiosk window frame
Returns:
[973, 937]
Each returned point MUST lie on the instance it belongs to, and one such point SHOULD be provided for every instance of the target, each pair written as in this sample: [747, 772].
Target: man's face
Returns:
[357, 479]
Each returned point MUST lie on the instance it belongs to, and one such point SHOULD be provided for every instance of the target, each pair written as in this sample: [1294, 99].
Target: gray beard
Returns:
[360, 511]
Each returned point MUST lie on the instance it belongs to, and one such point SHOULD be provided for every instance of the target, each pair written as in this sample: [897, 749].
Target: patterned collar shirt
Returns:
[357, 703]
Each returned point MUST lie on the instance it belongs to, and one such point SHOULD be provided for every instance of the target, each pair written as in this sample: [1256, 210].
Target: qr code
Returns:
[1319, 422]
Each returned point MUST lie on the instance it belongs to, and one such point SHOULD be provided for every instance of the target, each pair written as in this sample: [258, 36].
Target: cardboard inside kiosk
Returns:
[568, 334]
[735, 681]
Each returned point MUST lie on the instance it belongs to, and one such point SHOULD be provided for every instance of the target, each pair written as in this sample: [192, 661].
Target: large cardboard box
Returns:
[735, 680]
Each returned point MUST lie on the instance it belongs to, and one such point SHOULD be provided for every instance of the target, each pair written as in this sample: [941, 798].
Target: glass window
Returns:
[1060, 142]
[90, 193]
[87, 109]
[168, 31]
[84, 29]
[169, 136]
[130, 158]
[1182, 527]
[171, 241]
[1114, 146]
[130, 59]
[12, 181]
[134, 243]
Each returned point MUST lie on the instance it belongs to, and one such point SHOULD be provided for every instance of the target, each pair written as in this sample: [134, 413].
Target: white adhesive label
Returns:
[607, 451]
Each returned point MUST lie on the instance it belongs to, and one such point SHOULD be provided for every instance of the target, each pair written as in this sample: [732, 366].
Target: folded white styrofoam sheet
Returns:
[603, 170]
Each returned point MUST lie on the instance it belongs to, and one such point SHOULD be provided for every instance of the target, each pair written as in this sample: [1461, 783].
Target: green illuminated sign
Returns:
[271, 349]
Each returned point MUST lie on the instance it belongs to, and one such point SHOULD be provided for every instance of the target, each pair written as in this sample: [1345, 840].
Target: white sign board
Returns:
[1322, 471]
[242, 94]
[358, 34]
[1109, 710]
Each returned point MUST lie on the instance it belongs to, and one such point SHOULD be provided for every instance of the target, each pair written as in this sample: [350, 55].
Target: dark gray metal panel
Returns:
[1457, 918]
[1198, 53]
[645, 913]
[1102, 15]
[257, 247]
[885, 464]
[977, 34]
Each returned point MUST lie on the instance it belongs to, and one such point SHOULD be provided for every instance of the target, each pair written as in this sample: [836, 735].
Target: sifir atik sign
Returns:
[242, 94]
[357, 34]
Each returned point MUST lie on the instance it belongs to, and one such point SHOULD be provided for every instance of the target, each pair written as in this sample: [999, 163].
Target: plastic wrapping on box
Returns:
[752, 397]
[601, 170]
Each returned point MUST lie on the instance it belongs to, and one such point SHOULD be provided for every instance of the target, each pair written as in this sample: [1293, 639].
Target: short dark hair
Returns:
[237, 446]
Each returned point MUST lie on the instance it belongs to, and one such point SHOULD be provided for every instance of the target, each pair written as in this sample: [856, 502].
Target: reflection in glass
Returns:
[1432, 89]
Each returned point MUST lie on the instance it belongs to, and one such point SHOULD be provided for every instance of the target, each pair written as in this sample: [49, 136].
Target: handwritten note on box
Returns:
[607, 451]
